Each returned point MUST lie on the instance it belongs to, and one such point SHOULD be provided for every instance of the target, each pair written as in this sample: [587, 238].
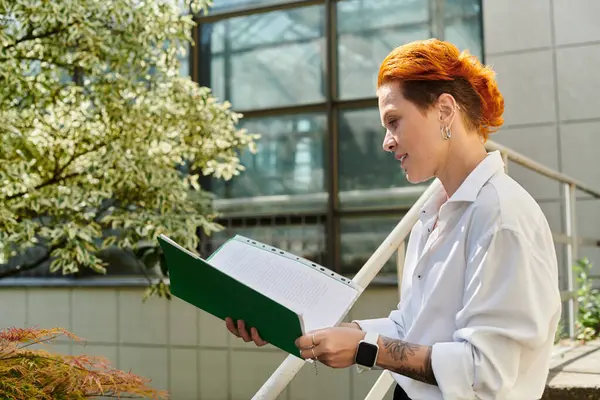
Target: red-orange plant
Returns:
[28, 373]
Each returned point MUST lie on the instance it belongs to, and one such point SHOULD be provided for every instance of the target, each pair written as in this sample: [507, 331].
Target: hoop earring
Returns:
[445, 131]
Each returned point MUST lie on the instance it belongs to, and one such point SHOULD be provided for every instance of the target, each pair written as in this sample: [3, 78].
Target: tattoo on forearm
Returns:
[400, 350]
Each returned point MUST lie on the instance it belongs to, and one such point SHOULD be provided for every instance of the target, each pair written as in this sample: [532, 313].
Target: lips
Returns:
[402, 158]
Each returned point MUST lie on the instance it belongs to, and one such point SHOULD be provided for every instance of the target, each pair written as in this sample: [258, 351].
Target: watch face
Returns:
[366, 354]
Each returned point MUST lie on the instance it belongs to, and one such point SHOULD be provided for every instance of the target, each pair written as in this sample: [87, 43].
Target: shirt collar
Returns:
[433, 204]
[470, 187]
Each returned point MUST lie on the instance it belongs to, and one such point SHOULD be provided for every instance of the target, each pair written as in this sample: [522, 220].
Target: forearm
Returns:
[410, 360]
[353, 325]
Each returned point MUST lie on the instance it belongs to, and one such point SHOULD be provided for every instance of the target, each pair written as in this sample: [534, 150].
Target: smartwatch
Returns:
[366, 353]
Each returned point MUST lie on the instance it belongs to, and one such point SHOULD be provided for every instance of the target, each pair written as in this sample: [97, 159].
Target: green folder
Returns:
[195, 281]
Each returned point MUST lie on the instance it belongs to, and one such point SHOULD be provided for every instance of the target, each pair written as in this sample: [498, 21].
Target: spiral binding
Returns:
[325, 271]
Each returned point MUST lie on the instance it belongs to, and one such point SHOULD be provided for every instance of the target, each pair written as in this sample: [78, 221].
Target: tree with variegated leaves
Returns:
[102, 141]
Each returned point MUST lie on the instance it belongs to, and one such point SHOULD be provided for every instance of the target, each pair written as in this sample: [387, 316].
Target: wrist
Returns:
[367, 352]
[352, 325]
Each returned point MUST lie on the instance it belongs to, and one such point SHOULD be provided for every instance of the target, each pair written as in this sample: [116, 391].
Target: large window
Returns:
[267, 60]
[363, 163]
[303, 73]
[367, 31]
[289, 158]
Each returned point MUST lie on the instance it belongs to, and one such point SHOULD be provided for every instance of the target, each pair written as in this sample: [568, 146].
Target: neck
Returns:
[463, 156]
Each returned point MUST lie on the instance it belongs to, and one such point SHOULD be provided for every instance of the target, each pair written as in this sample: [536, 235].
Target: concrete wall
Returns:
[183, 350]
[546, 54]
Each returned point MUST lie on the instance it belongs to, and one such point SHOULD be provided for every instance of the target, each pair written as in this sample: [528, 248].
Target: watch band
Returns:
[371, 338]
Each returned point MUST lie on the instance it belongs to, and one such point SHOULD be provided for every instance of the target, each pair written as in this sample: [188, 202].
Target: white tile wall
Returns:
[13, 308]
[526, 81]
[142, 322]
[576, 21]
[580, 148]
[214, 374]
[183, 323]
[540, 144]
[250, 369]
[507, 30]
[149, 362]
[184, 374]
[49, 308]
[578, 82]
[91, 309]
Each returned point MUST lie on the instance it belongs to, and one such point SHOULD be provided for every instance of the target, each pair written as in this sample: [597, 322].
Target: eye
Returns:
[392, 122]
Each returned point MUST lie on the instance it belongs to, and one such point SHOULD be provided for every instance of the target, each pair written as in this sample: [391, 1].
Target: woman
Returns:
[480, 300]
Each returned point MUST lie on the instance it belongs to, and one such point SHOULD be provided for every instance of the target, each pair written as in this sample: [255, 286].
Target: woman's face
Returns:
[413, 136]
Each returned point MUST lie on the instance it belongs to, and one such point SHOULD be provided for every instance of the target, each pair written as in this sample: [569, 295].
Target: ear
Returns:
[447, 107]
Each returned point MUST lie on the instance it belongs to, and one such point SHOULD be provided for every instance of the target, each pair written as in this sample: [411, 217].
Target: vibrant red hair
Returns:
[428, 68]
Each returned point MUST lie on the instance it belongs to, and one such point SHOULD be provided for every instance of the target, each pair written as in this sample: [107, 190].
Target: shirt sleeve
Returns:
[511, 306]
[390, 326]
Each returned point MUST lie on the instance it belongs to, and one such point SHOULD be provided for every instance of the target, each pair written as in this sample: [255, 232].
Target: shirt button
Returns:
[419, 276]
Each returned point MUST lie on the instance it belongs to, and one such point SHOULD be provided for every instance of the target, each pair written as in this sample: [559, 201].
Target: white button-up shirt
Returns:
[481, 287]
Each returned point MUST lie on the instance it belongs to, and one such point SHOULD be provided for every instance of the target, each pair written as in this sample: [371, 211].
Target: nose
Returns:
[389, 143]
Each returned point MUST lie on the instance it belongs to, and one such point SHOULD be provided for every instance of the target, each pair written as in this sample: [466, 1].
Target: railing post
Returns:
[571, 254]
[505, 159]
[381, 386]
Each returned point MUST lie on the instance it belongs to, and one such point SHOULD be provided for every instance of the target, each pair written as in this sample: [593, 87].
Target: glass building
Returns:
[303, 74]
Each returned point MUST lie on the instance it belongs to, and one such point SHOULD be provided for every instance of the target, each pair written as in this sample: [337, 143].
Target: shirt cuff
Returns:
[453, 369]
[383, 326]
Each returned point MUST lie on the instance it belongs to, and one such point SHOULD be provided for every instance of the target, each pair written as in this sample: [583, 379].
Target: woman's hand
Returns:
[240, 330]
[334, 347]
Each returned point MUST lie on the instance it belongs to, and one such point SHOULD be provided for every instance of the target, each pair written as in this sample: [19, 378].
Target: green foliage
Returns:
[588, 298]
[561, 333]
[102, 141]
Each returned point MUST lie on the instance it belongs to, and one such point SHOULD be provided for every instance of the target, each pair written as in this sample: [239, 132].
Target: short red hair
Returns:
[428, 68]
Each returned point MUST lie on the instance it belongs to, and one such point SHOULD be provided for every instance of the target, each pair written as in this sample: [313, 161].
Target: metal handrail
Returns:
[288, 369]
[540, 168]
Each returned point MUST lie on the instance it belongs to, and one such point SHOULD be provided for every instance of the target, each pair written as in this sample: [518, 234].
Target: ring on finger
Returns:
[314, 355]
[313, 339]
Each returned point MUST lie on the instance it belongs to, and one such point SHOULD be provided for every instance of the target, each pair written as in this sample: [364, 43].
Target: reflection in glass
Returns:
[305, 239]
[363, 162]
[288, 161]
[465, 33]
[367, 31]
[228, 5]
[360, 237]
[462, 8]
[266, 60]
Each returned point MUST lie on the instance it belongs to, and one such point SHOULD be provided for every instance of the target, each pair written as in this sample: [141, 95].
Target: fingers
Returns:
[308, 340]
[257, 339]
[231, 326]
[241, 326]
[239, 329]
[310, 352]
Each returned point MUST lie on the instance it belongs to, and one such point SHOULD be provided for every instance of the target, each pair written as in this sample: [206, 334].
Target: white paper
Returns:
[321, 300]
